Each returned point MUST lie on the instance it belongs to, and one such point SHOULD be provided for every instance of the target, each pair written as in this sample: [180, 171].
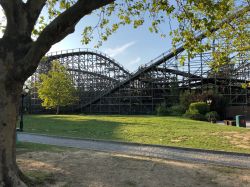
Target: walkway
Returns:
[164, 152]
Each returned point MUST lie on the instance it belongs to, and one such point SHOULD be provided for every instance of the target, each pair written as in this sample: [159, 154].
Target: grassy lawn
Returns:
[172, 131]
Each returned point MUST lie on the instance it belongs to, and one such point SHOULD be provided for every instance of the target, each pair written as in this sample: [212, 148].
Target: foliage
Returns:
[193, 16]
[197, 111]
[219, 103]
[212, 116]
[200, 107]
[195, 116]
[56, 88]
[161, 110]
[202, 15]
[188, 97]
[177, 110]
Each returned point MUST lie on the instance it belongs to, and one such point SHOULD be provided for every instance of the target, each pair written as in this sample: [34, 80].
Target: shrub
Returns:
[212, 116]
[177, 110]
[197, 116]
[201, 107]
[197, 110]
[161, 110]
[187, 97]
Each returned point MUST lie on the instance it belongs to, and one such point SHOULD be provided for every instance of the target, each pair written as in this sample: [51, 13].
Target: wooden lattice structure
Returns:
[108, 88]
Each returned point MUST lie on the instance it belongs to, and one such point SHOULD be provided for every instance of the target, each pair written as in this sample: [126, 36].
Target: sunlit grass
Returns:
[172, 131]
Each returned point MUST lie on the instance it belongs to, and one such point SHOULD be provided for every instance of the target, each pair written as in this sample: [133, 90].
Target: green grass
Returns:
[172, 131]
[37, 177]
[40, 178]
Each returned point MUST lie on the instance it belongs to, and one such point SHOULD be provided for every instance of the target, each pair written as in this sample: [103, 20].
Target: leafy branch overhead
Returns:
[193, 16]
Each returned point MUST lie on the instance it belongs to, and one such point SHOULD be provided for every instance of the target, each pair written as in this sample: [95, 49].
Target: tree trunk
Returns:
[57, 110]
[10, 175]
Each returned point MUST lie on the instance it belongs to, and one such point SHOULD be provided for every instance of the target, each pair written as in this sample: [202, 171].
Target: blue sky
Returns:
[130, 47]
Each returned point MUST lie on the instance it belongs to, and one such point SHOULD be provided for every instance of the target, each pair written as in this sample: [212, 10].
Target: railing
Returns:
[134, 74]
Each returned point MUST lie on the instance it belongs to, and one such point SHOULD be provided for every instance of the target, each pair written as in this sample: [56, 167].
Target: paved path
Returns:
[165, 152]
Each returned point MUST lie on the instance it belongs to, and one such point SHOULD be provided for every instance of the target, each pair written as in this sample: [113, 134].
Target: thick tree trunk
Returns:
[10, 175]
[19, 58]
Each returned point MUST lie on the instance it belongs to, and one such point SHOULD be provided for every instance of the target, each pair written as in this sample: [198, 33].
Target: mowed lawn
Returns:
[172, 131]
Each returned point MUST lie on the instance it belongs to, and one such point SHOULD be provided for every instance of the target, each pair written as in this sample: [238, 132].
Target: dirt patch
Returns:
[98, 169]
[237, 139]
[179, 139]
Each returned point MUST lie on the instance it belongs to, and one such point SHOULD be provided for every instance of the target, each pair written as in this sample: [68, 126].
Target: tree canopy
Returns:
[193, 17]
[56, 88]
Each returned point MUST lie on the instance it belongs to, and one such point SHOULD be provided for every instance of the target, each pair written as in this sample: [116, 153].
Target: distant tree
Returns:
[56, 88]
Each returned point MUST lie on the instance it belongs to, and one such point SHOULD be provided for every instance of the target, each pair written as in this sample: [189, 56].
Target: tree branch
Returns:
[65, 23]
[33, 8]
[14, 12]
[58, 29]
[21, 17]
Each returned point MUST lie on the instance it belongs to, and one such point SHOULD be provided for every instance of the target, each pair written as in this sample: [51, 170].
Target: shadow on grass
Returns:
[73, 126]
[151, 130]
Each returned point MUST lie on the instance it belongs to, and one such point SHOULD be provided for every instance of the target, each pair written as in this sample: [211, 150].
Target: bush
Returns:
[212, 116]
[161, 110]
[177, 110]
[197, 116]
[197, 110]
[201, 107]
[187, 97]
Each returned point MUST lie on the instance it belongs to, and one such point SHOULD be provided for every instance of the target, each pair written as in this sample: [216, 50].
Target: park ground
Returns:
[65, 167]
[171, 131]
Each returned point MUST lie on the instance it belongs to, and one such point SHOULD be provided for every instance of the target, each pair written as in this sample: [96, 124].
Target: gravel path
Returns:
[165, 152]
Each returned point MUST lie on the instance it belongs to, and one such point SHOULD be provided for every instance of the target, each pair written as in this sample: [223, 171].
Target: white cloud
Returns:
[112, 52]
[135, 61]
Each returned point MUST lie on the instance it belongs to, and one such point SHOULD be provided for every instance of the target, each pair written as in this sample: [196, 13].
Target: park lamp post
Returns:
[24, 94]
[209, 102]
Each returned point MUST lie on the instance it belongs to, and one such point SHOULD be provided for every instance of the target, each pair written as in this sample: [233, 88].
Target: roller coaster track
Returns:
[64, 53]
[167, 56]
[153, 63]
[177, 72]
[94, 74]
[91, 71]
